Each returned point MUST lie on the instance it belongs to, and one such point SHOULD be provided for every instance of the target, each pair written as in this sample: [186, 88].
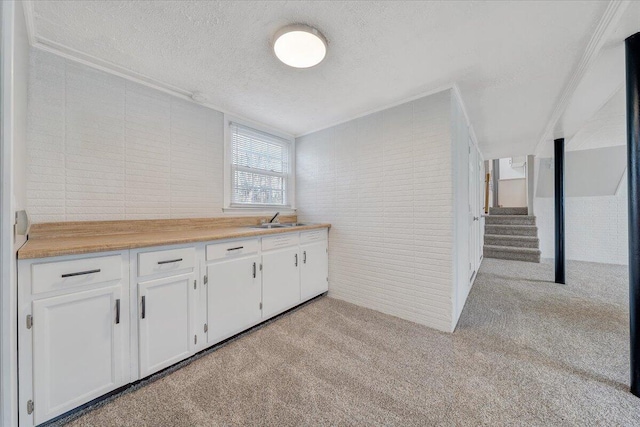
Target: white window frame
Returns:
[228, 178]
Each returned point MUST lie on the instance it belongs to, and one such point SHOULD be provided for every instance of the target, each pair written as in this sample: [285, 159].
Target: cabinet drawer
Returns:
[166, 261]
[313, 235]
[53, 276]
[232, 249]
[280, 241]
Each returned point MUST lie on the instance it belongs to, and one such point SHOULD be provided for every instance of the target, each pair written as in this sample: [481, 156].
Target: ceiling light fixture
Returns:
[299, 46]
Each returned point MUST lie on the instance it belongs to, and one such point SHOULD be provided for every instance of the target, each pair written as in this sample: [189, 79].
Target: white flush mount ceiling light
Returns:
[299, 46]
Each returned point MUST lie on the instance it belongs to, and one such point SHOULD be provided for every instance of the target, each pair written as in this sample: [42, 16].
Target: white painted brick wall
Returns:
[595, 227]
[103, 148]
[384, 182]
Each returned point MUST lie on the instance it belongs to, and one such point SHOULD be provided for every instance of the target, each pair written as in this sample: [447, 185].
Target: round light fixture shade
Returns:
[299, 46]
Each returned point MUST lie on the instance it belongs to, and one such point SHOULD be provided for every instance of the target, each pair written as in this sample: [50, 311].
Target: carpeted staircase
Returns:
[509, 233]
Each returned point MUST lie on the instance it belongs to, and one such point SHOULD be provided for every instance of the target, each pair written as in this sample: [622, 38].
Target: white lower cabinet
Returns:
[313, 272]
[234, 297]
[280, 280]
[78, 349]
[92, 323]
[165, 322]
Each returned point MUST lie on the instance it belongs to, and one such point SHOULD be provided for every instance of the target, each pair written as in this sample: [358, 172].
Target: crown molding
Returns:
[378, 109]
[472, 133]
[605, 28]
[44, 44]
[452, 87]
[27, 7]
[135, 77]
[108, 67]
[66, 52]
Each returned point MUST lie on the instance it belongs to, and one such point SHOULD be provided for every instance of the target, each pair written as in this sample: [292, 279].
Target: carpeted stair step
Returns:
[510, 220]
[513, 241]
[511, 253]
[508, 211]
[511, 230]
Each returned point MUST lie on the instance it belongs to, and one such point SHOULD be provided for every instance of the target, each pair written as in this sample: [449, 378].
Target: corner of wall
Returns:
[15, 61]
[383, 181]
[463, 139]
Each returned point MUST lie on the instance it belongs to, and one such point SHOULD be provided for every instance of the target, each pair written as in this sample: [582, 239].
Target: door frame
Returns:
[473, 210]
[480, 204]
[8, 288]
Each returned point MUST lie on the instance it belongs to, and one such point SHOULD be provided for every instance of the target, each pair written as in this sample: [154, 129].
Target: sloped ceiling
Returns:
[509, 59]
[607, 128]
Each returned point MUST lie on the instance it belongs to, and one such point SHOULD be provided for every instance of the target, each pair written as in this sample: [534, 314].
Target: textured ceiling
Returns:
[509, 59]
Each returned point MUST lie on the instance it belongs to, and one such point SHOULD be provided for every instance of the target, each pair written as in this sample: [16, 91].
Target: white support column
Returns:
[531, 180]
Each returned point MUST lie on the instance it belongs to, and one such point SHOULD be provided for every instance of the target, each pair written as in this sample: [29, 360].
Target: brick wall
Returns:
[384, 181]
[101, 147]
[595, 227]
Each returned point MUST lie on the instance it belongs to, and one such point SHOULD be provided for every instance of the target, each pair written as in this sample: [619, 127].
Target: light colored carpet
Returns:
[526, 352]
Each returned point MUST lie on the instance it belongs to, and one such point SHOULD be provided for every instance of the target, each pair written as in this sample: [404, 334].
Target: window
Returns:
[260, 168]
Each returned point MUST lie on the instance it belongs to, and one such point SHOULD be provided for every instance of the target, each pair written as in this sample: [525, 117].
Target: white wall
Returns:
[509, 172]
[104, 148]
[384, 182]
[596, 227]
[512, 193]
[14, 72]
[20, 88]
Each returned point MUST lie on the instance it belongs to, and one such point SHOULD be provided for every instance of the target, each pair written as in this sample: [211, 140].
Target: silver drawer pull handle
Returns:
[81, 273]
[235, 249]
[170, 261]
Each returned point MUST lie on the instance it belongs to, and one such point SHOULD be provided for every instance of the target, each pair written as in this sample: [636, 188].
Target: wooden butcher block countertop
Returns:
[69, 238]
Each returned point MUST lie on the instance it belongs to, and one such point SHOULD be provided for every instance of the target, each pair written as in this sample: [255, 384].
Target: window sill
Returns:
[256, 210]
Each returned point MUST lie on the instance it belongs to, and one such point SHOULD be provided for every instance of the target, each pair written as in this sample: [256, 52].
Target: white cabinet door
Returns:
[314, 269]
[280, 280]
[165, 320]
[233, 295]
[78, 349]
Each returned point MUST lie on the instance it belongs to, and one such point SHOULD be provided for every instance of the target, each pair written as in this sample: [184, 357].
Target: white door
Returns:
[280, 280]
[78, 349]
[165, 322]
[480, 208]
[234, 295]
[474, 215]
[314, 270]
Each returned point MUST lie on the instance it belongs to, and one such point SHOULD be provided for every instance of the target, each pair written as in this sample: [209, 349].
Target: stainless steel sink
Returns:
[268, 225]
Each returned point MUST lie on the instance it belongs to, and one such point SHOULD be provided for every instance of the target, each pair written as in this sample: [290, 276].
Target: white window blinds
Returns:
[259, 167]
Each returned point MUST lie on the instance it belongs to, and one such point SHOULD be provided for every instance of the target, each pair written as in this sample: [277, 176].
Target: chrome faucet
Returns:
[274, 217]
